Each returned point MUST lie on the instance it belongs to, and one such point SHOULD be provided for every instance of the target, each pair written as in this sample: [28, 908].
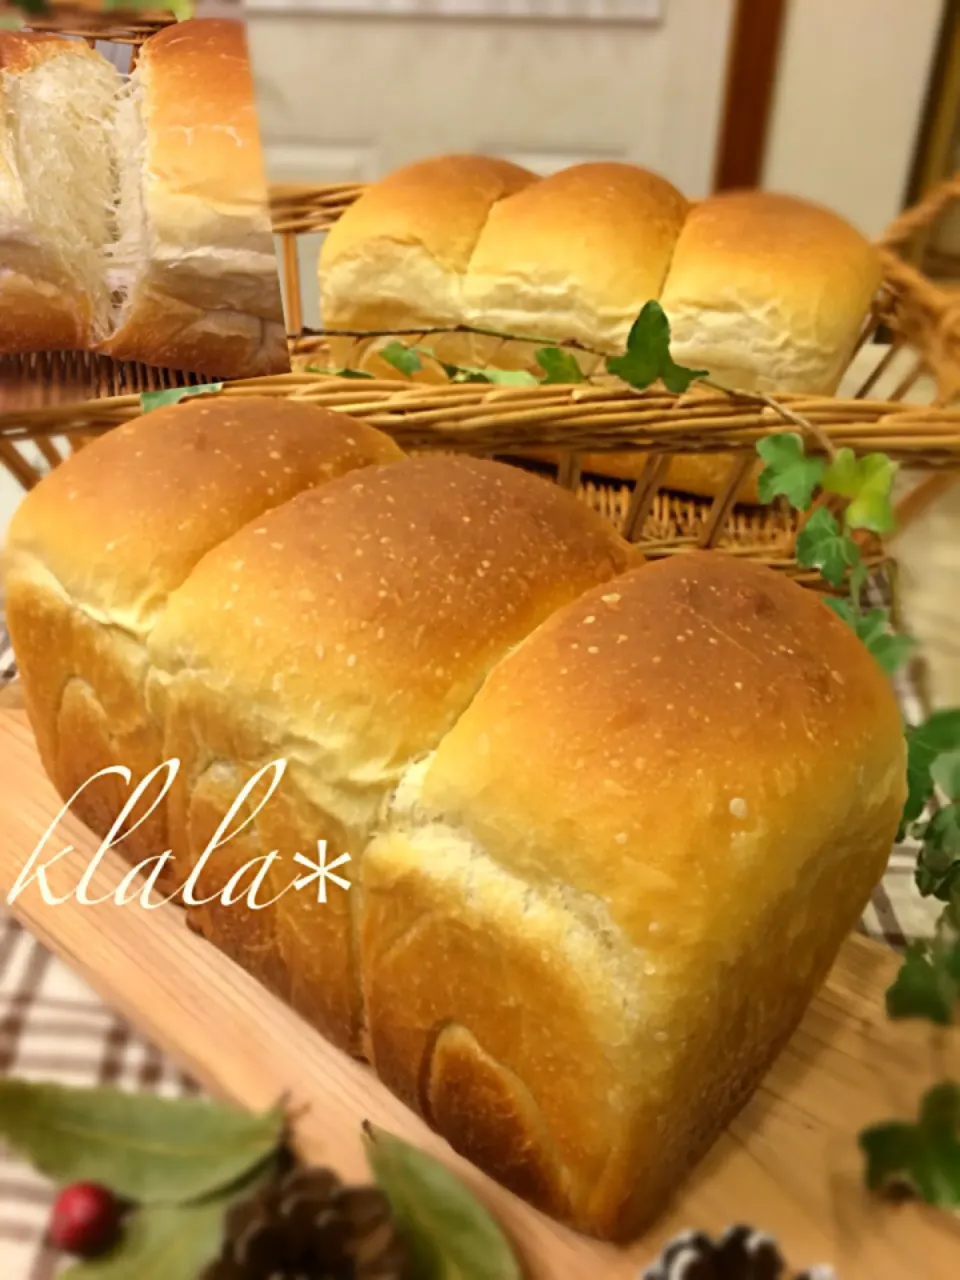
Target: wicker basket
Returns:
[494, 421]
[918, 322]
[57, 377]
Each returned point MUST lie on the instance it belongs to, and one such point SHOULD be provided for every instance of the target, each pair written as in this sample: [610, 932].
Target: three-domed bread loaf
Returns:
[766, 292]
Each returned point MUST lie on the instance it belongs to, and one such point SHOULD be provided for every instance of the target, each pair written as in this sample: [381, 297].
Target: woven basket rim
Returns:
[591, 418]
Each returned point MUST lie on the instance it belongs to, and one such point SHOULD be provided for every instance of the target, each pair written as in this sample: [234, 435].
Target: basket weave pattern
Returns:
[605, 415]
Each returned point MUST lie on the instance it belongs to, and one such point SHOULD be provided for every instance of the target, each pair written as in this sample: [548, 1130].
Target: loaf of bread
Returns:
[133, 213]
[766, 292]
[607, 823]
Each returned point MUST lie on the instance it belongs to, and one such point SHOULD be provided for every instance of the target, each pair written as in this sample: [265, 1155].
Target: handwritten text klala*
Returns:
[319, 871]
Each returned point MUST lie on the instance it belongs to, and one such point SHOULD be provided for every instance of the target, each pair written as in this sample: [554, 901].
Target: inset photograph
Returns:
[136, 250]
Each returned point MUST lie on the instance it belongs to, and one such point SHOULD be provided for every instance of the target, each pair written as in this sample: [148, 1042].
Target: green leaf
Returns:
[159, 399]
[647, 356]
[823, 545]
[868, 484]
[924, 1156]
[559, 365]
[945, 772]
[450, 1234]
[499, 377]
[788, 471]
[404, 359]
[892, 651]
[872, 627]
[938, 864]
[147, 1149]
[936, 735]
[10, 22]
[928, 984]
[844, 608]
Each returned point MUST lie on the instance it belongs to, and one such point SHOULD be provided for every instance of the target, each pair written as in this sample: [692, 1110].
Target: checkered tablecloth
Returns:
[54, 1027]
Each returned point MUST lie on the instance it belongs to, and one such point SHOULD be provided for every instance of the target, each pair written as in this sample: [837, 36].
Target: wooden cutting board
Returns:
[789, 1165]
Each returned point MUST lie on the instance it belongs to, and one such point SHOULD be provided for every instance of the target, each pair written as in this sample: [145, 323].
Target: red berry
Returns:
[85, 1219]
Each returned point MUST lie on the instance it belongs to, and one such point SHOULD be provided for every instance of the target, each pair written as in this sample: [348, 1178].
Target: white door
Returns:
[350, 89]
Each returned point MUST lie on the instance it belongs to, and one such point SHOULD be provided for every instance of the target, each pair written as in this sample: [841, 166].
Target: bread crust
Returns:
[766, 292]
[375, 606]
[424, 219]
[601, 980]
[94, 553]
[207, 300]
[608, 826]
[769, 292]
[23, 50]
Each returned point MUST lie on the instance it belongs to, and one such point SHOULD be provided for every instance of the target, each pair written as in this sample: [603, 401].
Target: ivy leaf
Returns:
[938, 734]
[872, 627]
[404, 359]
[924, 1156]
[928, 984]
[148, 1149]
[844, 608]
[173, 395]
[559, 365]
[450, 1234]
[868, 484]
[501, 377]
[945, 772]
[168, 1243]
[647, 356]
[823, 545]
[892, 651]
[938, 864]
[788, 471]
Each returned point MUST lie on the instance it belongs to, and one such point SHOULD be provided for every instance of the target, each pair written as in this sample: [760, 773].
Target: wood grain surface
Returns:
[788, 1165]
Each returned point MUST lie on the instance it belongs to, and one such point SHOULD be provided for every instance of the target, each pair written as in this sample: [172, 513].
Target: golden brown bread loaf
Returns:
[608, 825]
[94, 552]
[765, 291]
[374, 609]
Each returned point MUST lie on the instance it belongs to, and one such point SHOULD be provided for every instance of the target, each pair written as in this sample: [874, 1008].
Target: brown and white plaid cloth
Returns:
[54, 1027]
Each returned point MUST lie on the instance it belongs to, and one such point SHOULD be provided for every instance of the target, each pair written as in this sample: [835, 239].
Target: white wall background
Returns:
[851, 91]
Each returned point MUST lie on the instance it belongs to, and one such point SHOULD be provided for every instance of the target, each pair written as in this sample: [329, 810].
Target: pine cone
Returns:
[740, 1254]
[308, 1226]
